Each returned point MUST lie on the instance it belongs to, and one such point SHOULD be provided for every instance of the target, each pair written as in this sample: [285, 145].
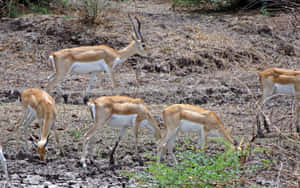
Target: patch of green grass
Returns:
[76, 134]
[67, 17]
[264, 11]
[39, 9]
[198, 169]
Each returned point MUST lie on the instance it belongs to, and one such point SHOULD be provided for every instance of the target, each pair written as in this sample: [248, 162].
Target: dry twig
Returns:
[278, 176]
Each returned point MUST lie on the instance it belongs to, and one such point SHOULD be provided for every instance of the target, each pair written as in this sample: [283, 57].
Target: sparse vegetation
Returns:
[92, 8]
[76, 134]
[14, 8]
[200, 169]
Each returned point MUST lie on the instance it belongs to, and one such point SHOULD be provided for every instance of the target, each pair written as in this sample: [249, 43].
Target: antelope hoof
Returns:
[65, 96]
[111, 161]
[85, 99]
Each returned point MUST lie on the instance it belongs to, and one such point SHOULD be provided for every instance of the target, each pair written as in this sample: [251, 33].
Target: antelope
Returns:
[3, 161]
[121, 112]
[277, 81]
[189, 118]
[92, 59]
[39, 104]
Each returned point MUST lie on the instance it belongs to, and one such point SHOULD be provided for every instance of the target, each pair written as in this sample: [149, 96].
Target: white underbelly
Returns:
[119, 121]
[87, 67]
[188, 126]
[286, 89]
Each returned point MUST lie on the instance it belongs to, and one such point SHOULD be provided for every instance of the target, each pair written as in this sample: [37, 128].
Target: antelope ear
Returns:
[34, 140]
[47, 141]
[228, 130]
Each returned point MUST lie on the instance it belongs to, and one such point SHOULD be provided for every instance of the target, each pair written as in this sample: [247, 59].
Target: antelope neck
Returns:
[127, 52]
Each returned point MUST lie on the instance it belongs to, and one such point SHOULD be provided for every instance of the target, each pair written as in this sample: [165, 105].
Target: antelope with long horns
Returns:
[92, 59]
[39, 104]
[121, 112]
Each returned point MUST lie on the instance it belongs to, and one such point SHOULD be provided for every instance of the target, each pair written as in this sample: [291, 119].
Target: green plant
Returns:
[93, 8]
[39, 9]
[8, 8]
[198, 169]
[76, 134]
[264, 11]
[65, 3]
[12, 8]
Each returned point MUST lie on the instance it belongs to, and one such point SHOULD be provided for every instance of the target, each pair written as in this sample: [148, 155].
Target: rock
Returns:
[33, 180]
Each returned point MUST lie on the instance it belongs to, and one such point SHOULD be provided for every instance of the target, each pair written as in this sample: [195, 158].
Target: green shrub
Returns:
[197, 170]
[14, 8]
[94, 8]
[76, 134]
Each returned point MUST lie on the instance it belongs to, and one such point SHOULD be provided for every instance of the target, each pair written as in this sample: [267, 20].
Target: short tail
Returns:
[92, 108]
[51, 57]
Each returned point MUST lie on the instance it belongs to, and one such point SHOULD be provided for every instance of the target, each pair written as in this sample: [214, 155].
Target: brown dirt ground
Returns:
[210, 60]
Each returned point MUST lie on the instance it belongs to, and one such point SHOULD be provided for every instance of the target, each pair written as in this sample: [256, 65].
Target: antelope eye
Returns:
[143, 45]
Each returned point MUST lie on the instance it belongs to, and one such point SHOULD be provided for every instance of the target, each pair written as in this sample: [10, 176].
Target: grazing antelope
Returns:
[189, 118]
[92, 59]
[39, 104]
[278, 81]
[121, 112]
[3, 161]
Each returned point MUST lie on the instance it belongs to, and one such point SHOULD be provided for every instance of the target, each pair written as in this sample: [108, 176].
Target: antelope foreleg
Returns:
[24, 117]
[202, 140]
[87, 138]
[99, 122]
[167, 142]
[31, 118]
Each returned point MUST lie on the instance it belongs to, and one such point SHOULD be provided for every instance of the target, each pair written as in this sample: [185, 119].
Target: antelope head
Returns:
[41, 147]
[138, 38]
